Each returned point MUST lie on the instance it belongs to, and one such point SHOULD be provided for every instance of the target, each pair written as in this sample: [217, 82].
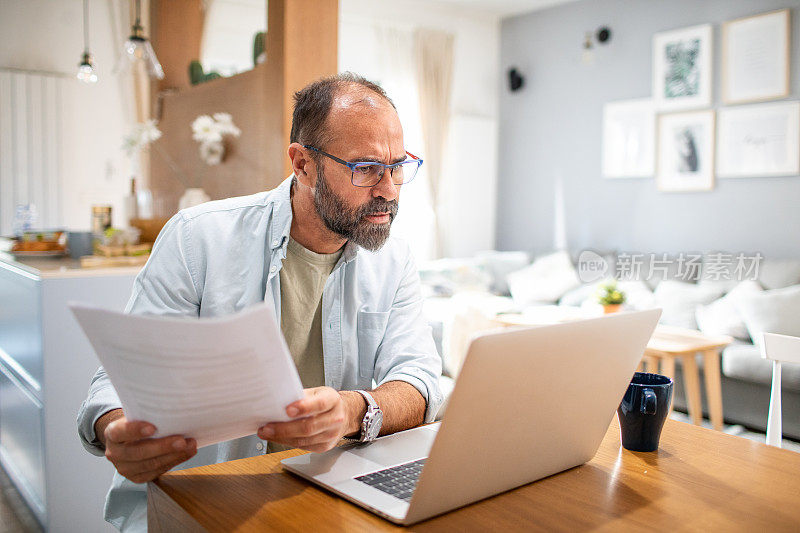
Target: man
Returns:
[347, 296]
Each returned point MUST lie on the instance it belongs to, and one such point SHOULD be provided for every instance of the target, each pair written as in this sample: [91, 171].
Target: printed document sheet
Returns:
[213, 379]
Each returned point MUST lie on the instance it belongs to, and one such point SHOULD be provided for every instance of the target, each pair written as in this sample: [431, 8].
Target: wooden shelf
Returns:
[301, 46]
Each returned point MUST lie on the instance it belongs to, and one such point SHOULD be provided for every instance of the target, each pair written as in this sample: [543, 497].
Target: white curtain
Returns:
[395, 62]
[31, 123]
[433, 52]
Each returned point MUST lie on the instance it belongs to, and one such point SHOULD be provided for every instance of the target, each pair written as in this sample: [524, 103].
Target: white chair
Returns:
[778, 348]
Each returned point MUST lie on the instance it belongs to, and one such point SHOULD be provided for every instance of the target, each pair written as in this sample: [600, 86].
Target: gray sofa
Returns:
[745, 394]
[746, 376]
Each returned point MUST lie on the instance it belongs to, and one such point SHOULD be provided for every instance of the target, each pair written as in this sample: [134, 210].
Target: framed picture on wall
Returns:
[629, 132]
[682, 68]
[759, 140]
[686, 151]
[755, 58]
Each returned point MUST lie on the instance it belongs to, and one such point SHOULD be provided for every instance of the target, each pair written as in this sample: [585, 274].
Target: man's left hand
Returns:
[326, 418]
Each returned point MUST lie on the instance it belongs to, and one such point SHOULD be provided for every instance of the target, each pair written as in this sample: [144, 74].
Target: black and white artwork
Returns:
[685, 151]
[686, 139]
[682, 68]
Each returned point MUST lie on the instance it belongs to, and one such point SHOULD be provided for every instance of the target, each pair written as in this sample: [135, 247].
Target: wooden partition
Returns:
[301, 46]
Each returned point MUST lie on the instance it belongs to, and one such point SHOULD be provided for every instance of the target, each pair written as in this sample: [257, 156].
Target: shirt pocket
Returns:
[371, 328]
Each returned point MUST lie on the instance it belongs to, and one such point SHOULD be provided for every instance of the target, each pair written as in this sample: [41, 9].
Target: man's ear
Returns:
[302, 165]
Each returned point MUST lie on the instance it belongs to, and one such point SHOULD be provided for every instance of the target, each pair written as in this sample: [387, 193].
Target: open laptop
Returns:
[527, 404]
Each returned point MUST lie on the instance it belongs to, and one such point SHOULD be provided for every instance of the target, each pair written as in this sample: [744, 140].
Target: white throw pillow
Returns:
[544, 281]
[637, 295]
[722, 317]
[500, 264]
[679, 301]
[775, 311]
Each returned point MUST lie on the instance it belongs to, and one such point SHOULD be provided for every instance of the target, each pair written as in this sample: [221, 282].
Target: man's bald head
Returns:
[314, 102]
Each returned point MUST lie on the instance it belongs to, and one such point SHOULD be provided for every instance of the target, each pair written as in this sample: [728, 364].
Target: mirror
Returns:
[229, 30]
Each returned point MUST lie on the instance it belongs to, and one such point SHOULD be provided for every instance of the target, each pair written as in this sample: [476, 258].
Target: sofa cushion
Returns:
[593, 266]
[722, 317]
[679, 301]
[575, 297]
[445, 277]
[544, 281]
[655, 268]
[779, 273]
[775, 311]
[721, 270]
[499, 265]
[744, 361]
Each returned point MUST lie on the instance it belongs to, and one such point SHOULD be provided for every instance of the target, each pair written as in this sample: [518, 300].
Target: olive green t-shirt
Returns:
[303, 277]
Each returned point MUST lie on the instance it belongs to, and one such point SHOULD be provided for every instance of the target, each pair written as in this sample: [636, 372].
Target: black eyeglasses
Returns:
[370, 173]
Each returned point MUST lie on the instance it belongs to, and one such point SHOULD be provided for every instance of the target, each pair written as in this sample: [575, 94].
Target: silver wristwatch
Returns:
[372, 421]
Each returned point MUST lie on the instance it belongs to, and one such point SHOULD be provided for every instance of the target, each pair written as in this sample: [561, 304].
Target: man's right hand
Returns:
[135, 455]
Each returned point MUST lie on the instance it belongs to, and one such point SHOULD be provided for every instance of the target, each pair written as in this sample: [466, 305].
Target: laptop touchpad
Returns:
[399, 447]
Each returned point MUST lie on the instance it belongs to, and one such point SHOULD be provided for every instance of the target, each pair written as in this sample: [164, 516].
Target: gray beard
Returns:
[351, 223]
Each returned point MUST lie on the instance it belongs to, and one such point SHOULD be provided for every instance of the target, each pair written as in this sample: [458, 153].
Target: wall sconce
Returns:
[601, 36]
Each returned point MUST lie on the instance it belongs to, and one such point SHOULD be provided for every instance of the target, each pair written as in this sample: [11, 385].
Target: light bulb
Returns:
[137, 48]
[86, 72]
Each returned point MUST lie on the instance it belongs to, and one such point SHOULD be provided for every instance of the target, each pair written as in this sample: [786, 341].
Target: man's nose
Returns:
[386, 188]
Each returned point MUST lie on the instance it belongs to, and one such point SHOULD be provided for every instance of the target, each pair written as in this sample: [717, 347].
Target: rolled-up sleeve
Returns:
[407, 351]
[166, 285]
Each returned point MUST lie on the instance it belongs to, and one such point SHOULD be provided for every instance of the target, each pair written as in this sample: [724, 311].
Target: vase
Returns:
[611, 308]
[193, 196]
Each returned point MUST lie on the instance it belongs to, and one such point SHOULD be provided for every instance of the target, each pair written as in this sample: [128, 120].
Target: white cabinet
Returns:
[46, 364]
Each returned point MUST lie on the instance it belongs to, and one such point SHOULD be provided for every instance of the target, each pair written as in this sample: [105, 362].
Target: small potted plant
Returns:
[610, 296]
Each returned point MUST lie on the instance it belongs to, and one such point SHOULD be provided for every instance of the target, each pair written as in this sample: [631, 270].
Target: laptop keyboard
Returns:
[398, 481]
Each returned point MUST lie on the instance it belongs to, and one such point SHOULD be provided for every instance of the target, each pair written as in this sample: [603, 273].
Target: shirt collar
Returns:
[282, 221]
[282, 214]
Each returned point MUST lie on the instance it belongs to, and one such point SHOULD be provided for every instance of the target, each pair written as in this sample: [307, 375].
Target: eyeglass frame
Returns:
[353, 165]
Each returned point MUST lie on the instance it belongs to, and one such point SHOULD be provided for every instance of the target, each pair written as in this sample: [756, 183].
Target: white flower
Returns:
[205, 130]
[210, 132]
[140, 136]
[211, 152]
[226, 125]
[223, 118]
[149, 132]
[130, 143]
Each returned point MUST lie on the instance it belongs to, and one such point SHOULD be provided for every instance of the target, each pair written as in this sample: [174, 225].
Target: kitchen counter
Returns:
[46, 365]
[60, 267]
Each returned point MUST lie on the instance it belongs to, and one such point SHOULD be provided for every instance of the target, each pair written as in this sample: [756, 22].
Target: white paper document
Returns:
[212, 379]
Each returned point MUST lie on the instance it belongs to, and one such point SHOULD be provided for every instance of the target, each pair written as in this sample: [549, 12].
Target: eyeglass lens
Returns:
[369, 174]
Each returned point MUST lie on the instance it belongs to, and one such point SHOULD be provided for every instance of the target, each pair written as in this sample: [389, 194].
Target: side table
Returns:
[669, 343]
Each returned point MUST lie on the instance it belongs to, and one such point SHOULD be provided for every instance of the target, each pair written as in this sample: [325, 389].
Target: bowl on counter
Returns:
[40, 243]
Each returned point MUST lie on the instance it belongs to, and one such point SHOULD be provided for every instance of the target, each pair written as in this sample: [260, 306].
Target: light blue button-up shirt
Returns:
[223, 256]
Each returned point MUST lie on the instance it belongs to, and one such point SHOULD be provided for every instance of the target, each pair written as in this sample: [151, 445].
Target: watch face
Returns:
[374, 425]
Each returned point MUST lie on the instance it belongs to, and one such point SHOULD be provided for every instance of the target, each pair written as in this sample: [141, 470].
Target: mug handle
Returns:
[648, 406]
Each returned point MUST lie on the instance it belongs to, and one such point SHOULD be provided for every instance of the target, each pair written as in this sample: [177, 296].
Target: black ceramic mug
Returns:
[643, 410]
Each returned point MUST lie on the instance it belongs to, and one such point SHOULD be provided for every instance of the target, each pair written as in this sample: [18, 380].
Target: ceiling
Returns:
[504, 8]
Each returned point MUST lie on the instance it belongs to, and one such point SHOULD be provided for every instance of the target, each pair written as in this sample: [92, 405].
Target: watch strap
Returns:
[371, 403]
[372, 407]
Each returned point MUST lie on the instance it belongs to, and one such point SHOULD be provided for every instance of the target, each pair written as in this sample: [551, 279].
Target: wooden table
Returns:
[698, 480]
[669, 343]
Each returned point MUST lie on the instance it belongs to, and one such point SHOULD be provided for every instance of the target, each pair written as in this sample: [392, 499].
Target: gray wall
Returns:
[553, 127]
